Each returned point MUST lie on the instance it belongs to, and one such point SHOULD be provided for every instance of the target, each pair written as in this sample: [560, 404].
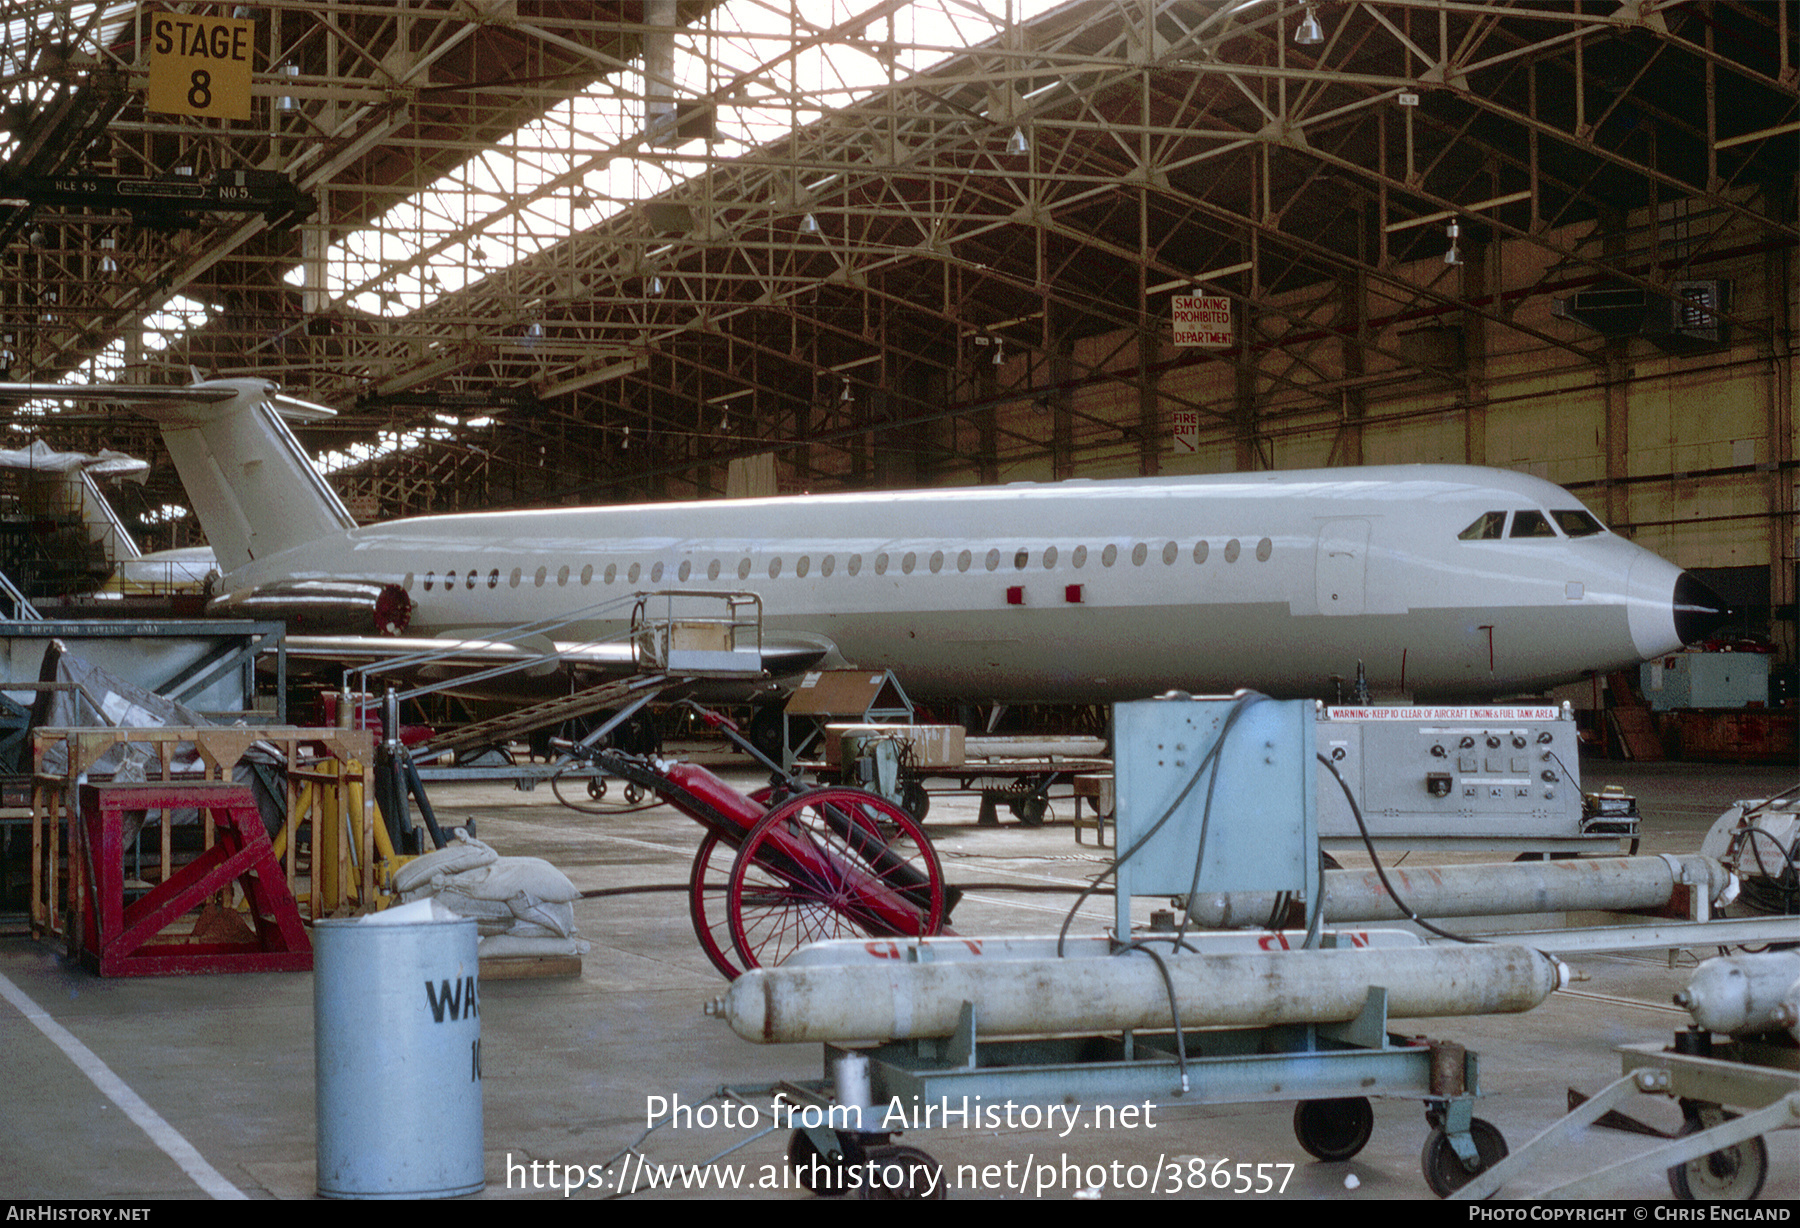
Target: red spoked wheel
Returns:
[709, 884]
[832, 863]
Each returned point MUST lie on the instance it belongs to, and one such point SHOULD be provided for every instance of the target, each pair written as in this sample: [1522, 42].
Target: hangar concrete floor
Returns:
[569, 1065]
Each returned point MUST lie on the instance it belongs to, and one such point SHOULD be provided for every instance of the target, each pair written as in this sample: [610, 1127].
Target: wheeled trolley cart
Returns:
[789, 865]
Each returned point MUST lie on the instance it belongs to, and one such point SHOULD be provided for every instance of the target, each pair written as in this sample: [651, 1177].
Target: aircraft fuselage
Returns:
[1080, 590]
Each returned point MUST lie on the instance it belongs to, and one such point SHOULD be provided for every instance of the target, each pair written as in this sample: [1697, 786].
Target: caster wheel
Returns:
[596, 787]
[1443, 1168]
[901, 1174]
[825, 1175]
[634, 793]
[1730, 1174]
[1334, 1129]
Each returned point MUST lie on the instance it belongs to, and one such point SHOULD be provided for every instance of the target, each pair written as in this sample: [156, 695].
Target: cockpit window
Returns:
[1577, 523]
[1487, 527]
[1531, 524]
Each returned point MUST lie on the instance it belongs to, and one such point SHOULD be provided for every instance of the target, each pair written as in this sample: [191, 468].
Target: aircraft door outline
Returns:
[1342, 572]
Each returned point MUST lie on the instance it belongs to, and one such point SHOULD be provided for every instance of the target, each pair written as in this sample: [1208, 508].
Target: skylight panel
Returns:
[577, 165]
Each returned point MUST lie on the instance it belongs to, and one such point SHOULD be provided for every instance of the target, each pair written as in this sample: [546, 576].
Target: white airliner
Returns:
[1440, 580]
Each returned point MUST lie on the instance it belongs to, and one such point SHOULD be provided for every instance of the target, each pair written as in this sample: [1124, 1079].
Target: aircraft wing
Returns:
[124, 394]
[498, 670]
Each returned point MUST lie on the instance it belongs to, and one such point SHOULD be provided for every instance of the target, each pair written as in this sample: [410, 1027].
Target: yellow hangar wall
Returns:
[1692, 455]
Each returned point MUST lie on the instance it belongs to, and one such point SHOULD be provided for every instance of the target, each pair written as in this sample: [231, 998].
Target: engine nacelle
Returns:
[321, 607]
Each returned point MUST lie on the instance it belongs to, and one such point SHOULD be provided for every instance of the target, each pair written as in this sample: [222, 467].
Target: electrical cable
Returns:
[1248, 700]
[1022, 888]
[1244, 699]
[650, 802]
[1772, 893]
[1127, 944]
[1174, 1008]
[1369, 844]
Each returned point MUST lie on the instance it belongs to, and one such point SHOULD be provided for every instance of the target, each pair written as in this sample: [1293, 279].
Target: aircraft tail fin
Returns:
[251, 484]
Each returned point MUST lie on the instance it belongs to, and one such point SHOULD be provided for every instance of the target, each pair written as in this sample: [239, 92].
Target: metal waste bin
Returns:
[397, 1058]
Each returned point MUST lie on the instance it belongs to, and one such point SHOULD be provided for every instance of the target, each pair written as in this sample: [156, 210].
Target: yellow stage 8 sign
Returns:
[200, 65]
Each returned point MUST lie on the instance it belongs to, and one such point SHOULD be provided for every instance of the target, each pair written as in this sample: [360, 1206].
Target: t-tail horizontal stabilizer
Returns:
[252, 486]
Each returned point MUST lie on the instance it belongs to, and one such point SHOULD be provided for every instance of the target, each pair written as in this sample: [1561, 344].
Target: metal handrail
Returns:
[23, 610]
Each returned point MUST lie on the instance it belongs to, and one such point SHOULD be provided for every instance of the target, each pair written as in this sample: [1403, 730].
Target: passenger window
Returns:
[562, 575]
[1109, 556]
[1264, 549]
[1577, 523]
[687, 569]
[993, 559]
[430, 579]
[408, 582]
[513, 580]
[612, 572]
[1200, 552]
[494, 578]
[449, 580]
[963, 561]
[656, 570]
[1021, 559]
[881, 564]
[1049, 557]
[774, 567]
[803, 566]
[469, 581]
[1486, 528]
[906, 564]
[1531, 524]
[1079, 558]
[937, 561]
[1231, 550]
[587, 574]
[712, 570]
[828, 564]
[637, 569]
[537, 578]
[1170, 553]
[855, 564]
[1139, 553]
[743, 569]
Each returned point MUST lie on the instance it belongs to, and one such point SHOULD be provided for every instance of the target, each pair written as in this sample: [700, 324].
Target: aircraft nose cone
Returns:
[1698, 610]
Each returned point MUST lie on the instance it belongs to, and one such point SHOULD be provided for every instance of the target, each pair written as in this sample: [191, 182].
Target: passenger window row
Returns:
[908, 563]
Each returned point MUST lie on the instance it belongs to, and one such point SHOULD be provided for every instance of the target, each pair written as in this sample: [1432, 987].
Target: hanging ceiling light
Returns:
[288, 103]
[1310, 34]
[809, 225]
[1017, 145]
[655, 288]
[1453, 256]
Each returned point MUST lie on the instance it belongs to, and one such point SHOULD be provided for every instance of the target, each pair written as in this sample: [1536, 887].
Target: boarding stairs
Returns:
[675, 638]
[498, 730]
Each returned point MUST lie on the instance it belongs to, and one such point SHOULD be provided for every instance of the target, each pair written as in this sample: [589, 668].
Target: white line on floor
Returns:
[113, 1088]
